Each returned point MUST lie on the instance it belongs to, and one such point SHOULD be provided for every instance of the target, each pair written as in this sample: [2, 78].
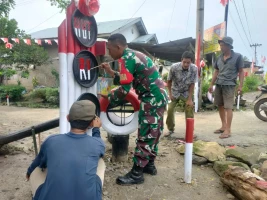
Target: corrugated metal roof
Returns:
[111, 26]
[103, 28]
[144, 38]
[171, 51]
[46, 33]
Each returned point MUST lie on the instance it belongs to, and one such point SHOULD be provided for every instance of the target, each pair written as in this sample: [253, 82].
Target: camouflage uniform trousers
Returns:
[149, 131]
[189, 112]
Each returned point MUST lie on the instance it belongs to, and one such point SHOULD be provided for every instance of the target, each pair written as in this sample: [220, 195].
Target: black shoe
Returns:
[135, 176]
[150, 168]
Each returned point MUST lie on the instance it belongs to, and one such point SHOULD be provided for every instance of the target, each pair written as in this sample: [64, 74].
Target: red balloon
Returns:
[88, 7]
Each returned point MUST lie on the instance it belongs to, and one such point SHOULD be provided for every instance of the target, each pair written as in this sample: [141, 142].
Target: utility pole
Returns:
[199, 47]
[255, 45]
[226, 16]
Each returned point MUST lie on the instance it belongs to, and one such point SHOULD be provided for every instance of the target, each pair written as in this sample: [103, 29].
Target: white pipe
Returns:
[238, 102]
[71, 95]
[188, 162]
[70, 80]
[77, 90]
[63, 71]
[196, 96]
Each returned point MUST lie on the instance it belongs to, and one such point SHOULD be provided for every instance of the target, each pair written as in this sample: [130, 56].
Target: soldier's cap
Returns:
[227, 40]
[82, 110]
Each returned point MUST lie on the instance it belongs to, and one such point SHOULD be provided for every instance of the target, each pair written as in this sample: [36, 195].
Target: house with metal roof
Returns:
[133, 29]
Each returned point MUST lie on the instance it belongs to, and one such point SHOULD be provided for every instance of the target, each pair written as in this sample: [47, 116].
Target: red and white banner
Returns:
[28, 41]
[263, 59]
[5, 40]
[252, 67]
[39, 42]
[48, 42]
[15, 40]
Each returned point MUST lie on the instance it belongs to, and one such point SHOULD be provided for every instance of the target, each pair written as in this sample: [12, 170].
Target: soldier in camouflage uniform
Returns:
[151, 92]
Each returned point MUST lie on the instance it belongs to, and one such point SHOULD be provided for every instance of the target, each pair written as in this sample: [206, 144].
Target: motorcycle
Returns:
[260, 107]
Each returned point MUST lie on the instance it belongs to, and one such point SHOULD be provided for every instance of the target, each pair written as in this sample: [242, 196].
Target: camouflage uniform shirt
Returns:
[146, 81]
[182, 79]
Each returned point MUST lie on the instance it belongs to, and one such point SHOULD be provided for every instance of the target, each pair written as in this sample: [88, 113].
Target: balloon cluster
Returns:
[88, 7]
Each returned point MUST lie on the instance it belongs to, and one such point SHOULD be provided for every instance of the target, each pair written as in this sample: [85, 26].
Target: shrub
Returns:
[39, 93]
[165, 77]
[52, 95]
[205, 87]
[14, 91]
[251, 83]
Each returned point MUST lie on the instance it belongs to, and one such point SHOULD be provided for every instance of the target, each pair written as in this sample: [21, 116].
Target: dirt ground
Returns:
[247, 131]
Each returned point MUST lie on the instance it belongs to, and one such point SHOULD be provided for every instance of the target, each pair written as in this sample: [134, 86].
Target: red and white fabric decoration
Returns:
[88, 7]
[27, 41]
[48, 42]
[5, 40]
[39, 42]
[15, 40]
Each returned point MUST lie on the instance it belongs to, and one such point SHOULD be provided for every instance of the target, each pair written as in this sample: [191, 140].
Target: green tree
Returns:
[62, 4]
[6, 6]
[245, 58]
[21, 55]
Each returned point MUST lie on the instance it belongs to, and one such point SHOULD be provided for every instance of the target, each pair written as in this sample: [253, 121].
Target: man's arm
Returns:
[40, 160]
[214, 78]
[241, 73]
[191, 91]
[169, 83]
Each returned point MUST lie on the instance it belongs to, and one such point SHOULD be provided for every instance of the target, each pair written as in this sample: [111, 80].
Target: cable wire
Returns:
[239, 34]
[241, 22]
[247, 20]
[42, 22]
[171, 19]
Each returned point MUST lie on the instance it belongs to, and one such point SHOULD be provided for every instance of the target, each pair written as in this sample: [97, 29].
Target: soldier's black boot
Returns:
[150, 168]
[135, 176]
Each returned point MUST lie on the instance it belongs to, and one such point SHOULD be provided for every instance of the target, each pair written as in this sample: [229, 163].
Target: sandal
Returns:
[218, 131]
[224, 136]
[168, 133]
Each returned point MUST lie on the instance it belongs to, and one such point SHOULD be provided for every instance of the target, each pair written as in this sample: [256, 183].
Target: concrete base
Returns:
[120, 144]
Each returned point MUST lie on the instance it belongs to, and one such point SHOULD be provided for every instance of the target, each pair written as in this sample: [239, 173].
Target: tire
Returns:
[131, 121]
[257, 111]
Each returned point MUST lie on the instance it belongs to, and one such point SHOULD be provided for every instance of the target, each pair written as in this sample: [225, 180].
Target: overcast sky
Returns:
[157, 14]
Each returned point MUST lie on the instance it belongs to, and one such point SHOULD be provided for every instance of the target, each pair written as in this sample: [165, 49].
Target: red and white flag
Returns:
[224, 2]
[39, 42]
[5, 40]
[48, 42]
[27, 41]
[263, 59]
[15, 40]
[252, 67]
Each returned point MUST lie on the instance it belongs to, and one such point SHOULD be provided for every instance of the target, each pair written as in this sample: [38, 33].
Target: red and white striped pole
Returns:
[188, 150]
[63, 72]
